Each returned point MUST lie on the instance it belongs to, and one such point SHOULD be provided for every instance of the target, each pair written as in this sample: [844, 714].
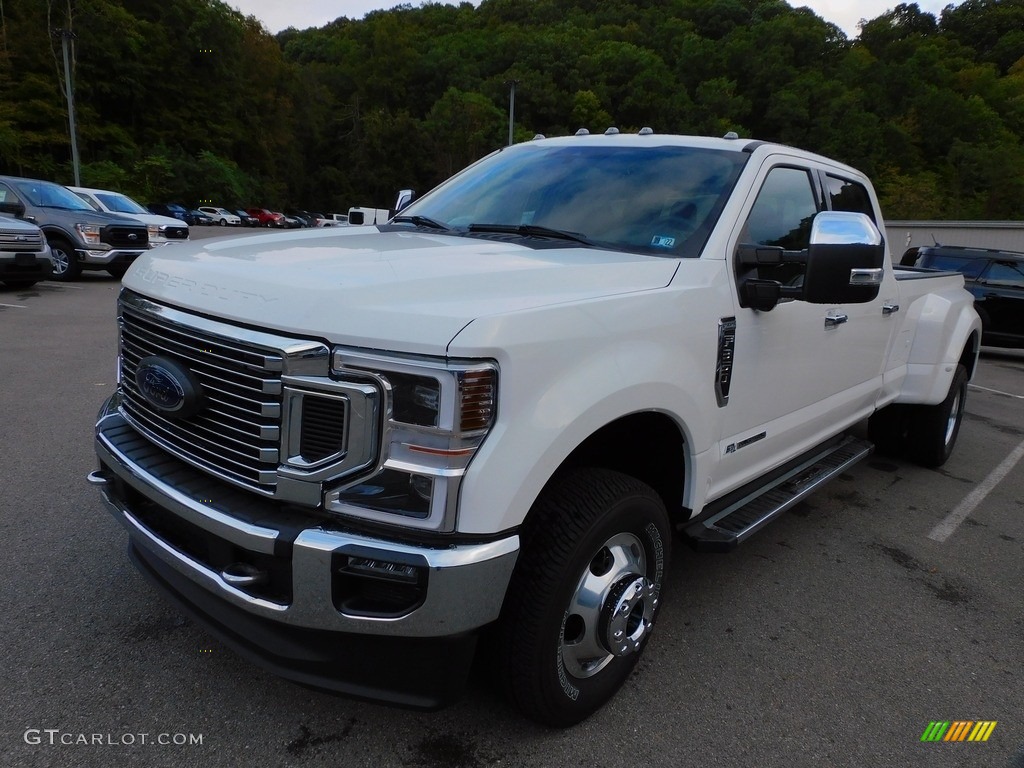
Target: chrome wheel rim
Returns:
[611, 609]
[60, 261]
[954, 418]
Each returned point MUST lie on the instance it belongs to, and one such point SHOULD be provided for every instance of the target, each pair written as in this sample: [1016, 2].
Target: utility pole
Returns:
[66, 35]
[511, 109]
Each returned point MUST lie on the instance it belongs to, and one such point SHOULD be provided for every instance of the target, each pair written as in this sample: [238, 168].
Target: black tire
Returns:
[65, 260]
[117, 272]
[888, 429]
[592, 533]
[933, 429]
[223, 222]
[19, 284]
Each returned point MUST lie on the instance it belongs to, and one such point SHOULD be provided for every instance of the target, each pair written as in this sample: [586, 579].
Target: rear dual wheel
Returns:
[585, 594]
[925, 434]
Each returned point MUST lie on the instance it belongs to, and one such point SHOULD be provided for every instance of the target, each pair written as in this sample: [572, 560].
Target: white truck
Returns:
[163, 230]
[350, 451]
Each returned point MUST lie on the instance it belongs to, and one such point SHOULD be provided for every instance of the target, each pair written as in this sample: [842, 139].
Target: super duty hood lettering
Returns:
[154, 277]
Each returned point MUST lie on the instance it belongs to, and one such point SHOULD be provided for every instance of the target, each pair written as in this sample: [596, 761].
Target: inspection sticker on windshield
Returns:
[660, 241]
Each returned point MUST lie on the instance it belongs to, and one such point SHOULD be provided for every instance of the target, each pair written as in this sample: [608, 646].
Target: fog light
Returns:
[381, 569]
[368, 585]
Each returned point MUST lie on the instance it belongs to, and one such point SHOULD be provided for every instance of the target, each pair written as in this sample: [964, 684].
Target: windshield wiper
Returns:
[422, 221]
[531, 230]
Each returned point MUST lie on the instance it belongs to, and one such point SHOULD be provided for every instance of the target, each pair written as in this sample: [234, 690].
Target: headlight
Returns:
[437, 414]
[156, 231]
[90, 233]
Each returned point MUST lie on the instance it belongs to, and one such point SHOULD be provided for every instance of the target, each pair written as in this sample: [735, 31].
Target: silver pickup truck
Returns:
[24, 254]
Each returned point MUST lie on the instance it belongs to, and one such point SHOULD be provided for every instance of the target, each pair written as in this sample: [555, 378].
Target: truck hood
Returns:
[403, 291]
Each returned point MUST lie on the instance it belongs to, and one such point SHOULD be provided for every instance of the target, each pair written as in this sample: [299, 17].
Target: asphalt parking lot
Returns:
[833, 638]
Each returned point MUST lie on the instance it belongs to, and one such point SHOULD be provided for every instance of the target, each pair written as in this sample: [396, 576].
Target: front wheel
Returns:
[584, 595]
[65, 261]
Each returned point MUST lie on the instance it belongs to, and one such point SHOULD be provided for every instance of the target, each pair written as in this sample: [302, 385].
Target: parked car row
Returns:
[211, 215]
[51, 231]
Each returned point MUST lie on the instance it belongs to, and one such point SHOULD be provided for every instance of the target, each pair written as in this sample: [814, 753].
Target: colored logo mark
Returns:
[958, 730]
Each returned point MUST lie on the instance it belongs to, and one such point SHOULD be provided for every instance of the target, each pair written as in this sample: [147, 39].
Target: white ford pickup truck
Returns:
[348, 452]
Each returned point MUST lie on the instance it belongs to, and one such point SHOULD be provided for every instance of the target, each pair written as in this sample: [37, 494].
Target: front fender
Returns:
[570, 370]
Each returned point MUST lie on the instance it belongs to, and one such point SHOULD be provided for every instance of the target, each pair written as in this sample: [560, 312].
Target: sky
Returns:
[277, 15]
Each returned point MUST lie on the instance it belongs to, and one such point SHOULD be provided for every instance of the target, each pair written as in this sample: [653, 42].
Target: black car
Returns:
[996, 278]
[304, 218]
[173, 210]
[247, 220]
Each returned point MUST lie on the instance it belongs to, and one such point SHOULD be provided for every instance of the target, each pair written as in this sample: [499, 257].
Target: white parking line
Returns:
[14, 306]
[996, 391]
[945, 529]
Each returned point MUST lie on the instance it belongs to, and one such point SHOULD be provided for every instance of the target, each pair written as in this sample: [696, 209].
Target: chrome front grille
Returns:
[21, 241]
[237, 433]
[268, 417]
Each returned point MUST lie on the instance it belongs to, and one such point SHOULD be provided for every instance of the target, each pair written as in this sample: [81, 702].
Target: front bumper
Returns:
[189, 532]
[103, 259]
[25, 266]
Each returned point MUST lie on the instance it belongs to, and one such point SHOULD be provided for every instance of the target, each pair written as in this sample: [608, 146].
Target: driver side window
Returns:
[7, 195]
[783, 211]
[780, 218]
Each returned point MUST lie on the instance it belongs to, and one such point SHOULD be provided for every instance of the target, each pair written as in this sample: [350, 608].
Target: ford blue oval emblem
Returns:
[168, 386]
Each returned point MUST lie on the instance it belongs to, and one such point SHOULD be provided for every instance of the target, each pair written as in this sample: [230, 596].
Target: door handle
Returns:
[890, 309]
[833, 321]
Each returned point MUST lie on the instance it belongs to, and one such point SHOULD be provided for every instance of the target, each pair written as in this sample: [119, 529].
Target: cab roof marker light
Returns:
[645, 131]
[539, 136]
[582, 132]
[613, 131]
[731, 135]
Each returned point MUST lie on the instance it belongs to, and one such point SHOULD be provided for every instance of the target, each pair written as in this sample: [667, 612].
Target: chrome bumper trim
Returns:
[465, 583]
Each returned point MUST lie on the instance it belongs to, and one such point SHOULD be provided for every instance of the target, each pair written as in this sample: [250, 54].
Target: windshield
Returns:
[120, 203]
[47, 195]
[92, 203]
[662, 200]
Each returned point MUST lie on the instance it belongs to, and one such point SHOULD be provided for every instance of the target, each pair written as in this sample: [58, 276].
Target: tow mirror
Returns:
[405, 197]
[845, 260]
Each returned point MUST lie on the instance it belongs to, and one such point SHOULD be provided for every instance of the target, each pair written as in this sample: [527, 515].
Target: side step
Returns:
[723, 530]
